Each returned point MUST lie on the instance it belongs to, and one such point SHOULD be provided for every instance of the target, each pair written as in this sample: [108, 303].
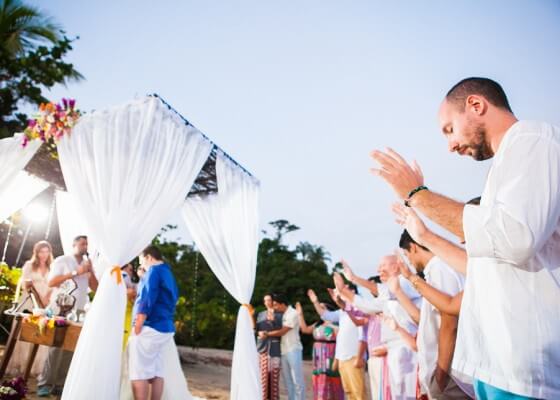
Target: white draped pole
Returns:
[14, 158]
[224, 226]
[128, 169]
[18, 192]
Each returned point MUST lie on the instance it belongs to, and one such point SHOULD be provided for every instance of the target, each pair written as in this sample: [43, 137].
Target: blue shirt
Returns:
[157, 297]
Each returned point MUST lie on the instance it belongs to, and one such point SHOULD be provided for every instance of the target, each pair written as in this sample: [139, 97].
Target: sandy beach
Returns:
[208, 374]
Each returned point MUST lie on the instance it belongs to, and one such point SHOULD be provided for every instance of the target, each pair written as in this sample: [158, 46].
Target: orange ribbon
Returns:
[117, 270]
[249, 307]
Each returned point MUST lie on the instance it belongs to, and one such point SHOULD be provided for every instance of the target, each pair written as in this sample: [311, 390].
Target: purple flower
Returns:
[65, 103]
[18, 385]
[72, 103]
[31, 123]
[25, 141]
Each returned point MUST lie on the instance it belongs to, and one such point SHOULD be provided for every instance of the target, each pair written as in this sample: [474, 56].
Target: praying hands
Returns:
[393, 168]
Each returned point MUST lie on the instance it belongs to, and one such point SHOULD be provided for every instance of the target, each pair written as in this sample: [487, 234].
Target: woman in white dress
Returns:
[34, 273]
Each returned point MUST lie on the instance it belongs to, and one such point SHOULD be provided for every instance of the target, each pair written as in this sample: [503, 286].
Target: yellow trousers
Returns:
[352, 380]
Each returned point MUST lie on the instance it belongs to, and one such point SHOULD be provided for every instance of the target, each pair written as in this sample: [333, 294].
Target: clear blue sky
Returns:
[300, 92]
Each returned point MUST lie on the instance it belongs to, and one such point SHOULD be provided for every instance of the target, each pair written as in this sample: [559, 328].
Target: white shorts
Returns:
[145, 354]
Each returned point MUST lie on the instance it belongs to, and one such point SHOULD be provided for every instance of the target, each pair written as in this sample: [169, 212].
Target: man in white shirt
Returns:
[290, 346]
[350, 345]
[509, 326]
[436, 332]
[69, 274]
[401, 359]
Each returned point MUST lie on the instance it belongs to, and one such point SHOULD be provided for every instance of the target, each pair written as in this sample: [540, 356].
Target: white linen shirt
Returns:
[509, 326]
[348, 337]
[442, 277]
[291, 340]
[64, 265]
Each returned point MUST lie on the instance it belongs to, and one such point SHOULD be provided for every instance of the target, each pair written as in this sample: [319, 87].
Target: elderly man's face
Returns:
[387, 268]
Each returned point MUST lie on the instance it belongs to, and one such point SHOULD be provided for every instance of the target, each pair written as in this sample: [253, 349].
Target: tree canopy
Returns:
[33, 49]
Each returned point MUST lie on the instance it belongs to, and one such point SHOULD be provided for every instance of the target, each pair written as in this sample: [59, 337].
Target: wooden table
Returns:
[64, 337]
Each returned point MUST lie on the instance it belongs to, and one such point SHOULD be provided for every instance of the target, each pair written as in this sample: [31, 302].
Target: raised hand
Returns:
[402, 177]
[333, 294]
[338, 281]
[403, 268]
[312, 296]
[347, 271]
[409, 220]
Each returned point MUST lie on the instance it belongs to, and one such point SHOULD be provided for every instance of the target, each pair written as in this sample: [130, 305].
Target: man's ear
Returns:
[413, 248]
[476, 104]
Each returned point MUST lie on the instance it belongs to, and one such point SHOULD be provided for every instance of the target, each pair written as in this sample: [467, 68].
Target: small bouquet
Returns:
[51, 123]
[43, 322]
[14, 389]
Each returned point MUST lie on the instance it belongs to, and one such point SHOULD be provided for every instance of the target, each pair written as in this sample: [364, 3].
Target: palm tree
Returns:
[313, 254]
[23, 27]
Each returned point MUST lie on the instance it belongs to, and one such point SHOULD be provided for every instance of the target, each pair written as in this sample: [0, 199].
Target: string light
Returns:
[195, 289]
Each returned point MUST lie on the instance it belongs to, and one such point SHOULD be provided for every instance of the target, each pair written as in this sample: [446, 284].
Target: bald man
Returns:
[509, 327]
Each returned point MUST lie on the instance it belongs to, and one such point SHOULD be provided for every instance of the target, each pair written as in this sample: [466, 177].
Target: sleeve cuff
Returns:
[143, 308]
[477, 240]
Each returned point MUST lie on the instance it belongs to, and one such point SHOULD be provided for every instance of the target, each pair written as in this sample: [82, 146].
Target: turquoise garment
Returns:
[485, 391]
[157, 297]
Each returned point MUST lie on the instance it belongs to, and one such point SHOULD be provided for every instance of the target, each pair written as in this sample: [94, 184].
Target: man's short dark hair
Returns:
[279, 298]
[78, 238]
[406, 241]
[153, 252]
[487, 88]
[475, 201]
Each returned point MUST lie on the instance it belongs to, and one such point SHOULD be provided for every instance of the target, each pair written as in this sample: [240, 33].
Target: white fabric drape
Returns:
[20, 191]
[71, 222]
[225, 228]
[128, 169]
[14, 158]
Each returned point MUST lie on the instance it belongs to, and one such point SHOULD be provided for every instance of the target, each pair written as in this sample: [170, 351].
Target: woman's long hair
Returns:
[35, 257]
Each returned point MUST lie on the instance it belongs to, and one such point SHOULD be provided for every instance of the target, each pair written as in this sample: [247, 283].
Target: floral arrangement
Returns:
[14, 389]
[51, 123]
[43, 322]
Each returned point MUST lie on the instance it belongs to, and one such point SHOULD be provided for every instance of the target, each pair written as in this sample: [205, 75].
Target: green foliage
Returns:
[32, 52]
[207, 314]
[9, 278]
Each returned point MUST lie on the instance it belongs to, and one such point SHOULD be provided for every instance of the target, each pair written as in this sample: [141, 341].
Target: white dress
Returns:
[17, 364]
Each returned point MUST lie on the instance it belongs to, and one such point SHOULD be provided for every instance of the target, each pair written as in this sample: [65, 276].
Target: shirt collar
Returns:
[428, 267]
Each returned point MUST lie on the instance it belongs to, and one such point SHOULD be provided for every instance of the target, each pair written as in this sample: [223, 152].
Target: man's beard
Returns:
[481, 149]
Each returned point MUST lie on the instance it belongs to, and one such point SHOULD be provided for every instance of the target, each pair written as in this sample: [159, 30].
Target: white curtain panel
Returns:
[128, 169]
[19, 192]
[14, 158]
[224, 226]
[71, 222]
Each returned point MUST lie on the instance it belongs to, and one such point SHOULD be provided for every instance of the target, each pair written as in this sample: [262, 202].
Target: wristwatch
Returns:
[74, 273]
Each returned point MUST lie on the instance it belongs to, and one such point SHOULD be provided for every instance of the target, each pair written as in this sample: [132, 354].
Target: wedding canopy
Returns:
[120, 175]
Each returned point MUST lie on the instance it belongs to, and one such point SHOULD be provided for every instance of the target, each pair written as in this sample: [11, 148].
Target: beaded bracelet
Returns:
[412, 193]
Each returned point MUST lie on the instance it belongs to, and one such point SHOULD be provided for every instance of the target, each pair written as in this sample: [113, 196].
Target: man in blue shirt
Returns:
[153, 325]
